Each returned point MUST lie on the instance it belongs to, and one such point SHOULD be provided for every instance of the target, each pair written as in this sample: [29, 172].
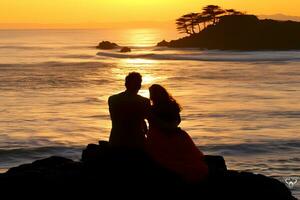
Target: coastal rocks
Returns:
[163, 43]
[119, 172]
[106, 45]
[125, 50]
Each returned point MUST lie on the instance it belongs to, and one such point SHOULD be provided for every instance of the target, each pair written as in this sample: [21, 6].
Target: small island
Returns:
[216, 28]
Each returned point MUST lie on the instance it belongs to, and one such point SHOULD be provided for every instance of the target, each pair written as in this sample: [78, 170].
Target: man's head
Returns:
[133, 82]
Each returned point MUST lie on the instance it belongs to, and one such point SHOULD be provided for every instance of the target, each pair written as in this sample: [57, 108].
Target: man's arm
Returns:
[147, 114]
[147, 109]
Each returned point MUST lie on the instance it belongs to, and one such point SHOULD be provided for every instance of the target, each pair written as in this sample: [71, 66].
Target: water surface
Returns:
[54, 86]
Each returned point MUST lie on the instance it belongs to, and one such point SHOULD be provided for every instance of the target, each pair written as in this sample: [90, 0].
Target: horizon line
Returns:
[114, 25]
[87, 25]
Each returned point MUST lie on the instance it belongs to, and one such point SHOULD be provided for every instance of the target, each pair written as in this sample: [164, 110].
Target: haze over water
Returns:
[54, 86]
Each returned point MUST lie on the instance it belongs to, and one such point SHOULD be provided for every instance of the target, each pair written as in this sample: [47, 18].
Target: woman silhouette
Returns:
[169, 145]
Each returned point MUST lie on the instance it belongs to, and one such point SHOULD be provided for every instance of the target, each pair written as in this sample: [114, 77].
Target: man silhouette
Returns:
[128, 112]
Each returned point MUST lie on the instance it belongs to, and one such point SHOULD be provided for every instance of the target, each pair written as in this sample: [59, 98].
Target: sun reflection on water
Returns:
[139, 61]
[143, 37]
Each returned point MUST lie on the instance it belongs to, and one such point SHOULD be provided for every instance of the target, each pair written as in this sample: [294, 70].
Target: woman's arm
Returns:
[166, 119]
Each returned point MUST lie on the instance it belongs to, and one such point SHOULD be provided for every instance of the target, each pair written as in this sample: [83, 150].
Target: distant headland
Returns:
[216, 28]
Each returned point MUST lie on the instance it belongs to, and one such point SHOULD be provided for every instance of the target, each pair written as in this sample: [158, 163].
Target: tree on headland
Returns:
[203, 19]
[187, 23]
[192, 18]
[182, 25]
[210, 14]
[233, 12]
[213, 11]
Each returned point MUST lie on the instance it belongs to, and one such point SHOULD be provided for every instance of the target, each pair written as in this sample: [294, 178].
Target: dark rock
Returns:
[163, 43]
[120, 172]
[216, 165]
[106, 45]
[51, 169]
[125, 50]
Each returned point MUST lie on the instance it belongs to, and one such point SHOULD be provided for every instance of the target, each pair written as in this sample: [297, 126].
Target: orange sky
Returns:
[70, 13]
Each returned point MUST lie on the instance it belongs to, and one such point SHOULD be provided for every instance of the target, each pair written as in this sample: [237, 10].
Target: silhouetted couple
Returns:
[163, 140]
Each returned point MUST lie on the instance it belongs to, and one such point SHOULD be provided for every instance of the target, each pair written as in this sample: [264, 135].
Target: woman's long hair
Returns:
[160, 96]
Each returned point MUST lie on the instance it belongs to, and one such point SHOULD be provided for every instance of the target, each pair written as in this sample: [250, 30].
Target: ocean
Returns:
[54, 86]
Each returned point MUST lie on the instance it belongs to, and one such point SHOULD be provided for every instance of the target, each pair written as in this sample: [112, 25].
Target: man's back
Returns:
[128, 112]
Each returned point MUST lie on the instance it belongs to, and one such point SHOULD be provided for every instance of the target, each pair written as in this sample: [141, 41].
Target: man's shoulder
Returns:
[115, 96]
[143, 99]
[124, 96]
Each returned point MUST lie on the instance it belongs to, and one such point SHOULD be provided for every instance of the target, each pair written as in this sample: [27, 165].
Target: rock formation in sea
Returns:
[106, 45]
[125, 50]
[121, 173]
[163, 43]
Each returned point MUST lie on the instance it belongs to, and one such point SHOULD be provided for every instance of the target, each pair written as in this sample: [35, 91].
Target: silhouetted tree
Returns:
[182, 25]
[233, 12]
[203, 19]
[192, 21]
[213, 11]
[187, 23]
[210, 15]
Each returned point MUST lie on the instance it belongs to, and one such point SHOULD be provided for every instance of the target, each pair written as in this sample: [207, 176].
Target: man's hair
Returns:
[133, 81]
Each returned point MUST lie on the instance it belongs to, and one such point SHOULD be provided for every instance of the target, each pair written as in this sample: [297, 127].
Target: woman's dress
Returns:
[172, 147]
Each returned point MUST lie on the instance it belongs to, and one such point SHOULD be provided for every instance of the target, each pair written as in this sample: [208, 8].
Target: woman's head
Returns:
[160, 96]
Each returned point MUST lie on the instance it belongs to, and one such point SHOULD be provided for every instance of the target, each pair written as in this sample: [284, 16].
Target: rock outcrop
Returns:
[125, 50]
[106, 45]
[243, 32]
[163, 43]
[105, 171]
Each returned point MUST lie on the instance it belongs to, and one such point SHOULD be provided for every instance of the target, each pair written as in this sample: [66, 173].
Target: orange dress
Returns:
[177, 152]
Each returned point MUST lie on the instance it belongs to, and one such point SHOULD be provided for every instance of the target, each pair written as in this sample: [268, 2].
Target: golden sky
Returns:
[106, 11]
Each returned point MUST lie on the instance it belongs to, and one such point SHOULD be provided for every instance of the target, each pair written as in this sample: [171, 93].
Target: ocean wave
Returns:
[267, 147]
[279, 147]
[121, 55]
[7, 155]
[248, 114]
[54, 64]
[78, 56]
[72, 64]
[38, 149]
[23, 47]
[216, 56]
[87, 100]
[46, 46]
[77, 47]
[14, 157]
